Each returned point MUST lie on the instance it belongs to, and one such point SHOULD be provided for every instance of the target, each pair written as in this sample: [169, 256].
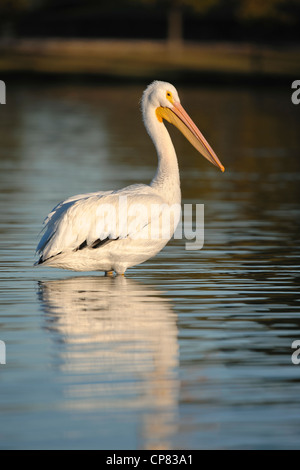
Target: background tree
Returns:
[266, 18]
[257, 10]
[175, 11]
[9, 14]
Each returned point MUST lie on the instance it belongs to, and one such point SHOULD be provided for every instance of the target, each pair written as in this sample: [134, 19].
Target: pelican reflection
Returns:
[119, 339]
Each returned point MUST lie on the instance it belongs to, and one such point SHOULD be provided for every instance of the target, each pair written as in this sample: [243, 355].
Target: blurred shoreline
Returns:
[137, 61]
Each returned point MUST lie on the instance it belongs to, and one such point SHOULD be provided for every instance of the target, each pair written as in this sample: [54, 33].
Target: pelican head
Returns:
[164, 99]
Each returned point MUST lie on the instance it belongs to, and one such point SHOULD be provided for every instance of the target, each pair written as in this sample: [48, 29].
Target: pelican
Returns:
[111, 231]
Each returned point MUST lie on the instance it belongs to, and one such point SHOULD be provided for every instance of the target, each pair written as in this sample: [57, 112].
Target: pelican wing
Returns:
[95, 219]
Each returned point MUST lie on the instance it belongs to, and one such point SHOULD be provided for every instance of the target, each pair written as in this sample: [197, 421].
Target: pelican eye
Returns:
[169, 97]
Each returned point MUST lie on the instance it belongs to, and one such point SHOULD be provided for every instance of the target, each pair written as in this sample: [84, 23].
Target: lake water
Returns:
[192, 349]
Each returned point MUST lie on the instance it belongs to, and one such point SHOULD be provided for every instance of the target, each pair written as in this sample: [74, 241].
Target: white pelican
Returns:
[113, 230]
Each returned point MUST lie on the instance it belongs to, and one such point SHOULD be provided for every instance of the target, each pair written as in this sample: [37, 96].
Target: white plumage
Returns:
[113, 230]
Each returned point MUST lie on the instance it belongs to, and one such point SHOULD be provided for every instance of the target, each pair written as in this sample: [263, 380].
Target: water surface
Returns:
[193, 348]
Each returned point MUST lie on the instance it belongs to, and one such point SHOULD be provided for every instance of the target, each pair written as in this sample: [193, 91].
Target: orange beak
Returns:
[180, 118]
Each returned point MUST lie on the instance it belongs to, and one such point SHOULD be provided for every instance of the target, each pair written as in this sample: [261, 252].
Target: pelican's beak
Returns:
[180, 118]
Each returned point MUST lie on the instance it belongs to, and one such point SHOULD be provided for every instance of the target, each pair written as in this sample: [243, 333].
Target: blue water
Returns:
[192, 350]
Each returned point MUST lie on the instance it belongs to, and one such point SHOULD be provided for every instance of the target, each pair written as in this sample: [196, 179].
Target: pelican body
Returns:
[113, 230]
